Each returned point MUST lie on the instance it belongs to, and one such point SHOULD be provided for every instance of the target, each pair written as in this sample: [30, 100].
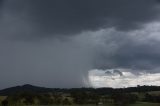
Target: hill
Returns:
[24, 88]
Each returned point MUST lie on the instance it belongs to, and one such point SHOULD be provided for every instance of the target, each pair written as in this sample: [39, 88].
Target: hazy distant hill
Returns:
[100, 91]
[23, 88]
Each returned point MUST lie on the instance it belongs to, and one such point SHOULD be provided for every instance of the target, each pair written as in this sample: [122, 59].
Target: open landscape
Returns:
[79, 52]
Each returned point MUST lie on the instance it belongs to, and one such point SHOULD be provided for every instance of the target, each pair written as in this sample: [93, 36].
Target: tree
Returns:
[123, 99]
[66, 101]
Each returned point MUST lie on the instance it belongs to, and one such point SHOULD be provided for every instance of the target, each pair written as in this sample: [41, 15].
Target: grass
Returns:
[136, 104]
[145, 104]
[154, 92]
[2, 98]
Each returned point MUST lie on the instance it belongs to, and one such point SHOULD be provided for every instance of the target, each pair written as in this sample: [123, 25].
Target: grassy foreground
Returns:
[145, 104]
[136, 104]
[139, 104]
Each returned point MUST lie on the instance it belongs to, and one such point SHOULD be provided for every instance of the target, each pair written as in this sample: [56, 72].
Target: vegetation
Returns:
[135, 96]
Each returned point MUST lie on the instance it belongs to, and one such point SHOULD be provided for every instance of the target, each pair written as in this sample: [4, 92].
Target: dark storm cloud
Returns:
[40, 18]
[49, 63]
[34, 49]
[1, 1]
[137, 51]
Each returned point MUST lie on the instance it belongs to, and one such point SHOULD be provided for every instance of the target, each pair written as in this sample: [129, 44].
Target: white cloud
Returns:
[111, 78]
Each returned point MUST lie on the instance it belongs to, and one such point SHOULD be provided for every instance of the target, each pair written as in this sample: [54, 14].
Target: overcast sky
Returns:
[57, 43]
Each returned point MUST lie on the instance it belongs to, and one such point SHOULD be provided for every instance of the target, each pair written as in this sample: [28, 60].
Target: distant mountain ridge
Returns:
[26, 87]
[37, 89]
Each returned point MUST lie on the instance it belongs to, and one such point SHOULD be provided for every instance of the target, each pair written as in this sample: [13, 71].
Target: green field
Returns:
[154, 92]
[145, 104]
[2, 98]
[136, 104]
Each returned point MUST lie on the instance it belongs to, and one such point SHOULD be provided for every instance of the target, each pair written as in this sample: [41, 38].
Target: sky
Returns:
[79, 43]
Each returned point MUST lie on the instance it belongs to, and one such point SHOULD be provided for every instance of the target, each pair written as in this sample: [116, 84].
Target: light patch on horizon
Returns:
[119, 78]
